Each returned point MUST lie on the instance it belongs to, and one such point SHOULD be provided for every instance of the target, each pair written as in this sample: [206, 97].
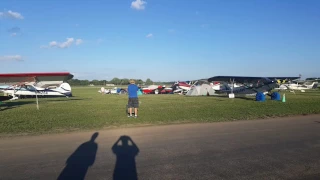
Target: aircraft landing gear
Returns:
[260, 97]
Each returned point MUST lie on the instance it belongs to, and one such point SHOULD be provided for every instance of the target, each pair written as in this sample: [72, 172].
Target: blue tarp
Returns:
[275, 96]
[260, 97]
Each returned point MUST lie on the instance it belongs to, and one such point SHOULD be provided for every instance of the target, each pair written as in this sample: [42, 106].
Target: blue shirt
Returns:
[133, 91]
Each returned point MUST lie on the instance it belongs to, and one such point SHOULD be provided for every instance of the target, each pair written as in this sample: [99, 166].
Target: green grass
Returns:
[90, 110]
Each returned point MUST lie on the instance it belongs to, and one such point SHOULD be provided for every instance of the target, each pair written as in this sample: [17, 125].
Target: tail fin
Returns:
[315, 86]
[65, 87]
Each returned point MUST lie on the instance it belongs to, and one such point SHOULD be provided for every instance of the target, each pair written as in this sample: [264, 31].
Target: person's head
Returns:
[94, 136]
[132, 81]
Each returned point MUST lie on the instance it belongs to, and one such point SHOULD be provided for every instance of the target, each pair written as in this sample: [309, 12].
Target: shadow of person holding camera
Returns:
[125, 168]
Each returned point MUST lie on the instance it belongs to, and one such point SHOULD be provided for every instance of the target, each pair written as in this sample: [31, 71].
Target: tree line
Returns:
[115, 81]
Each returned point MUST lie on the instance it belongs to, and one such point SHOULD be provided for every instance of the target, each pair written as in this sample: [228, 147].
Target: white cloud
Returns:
[13, 34]
[138, 4]
[149, 35]
[11, 14]
[11, 58]
[79, 41]
[63, 45]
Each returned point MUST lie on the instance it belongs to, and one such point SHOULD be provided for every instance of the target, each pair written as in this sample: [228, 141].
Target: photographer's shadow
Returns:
[125, 168]
[79, 162]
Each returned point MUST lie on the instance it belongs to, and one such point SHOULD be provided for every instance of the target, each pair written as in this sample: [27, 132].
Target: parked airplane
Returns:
[155, 89]
[257, 84]
[183, 86]
[31, 90]
[296, 86]
[27, 84]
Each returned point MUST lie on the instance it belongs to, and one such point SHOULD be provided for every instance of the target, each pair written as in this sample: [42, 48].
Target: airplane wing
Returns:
[284, 78]
[238, 79]
[34, 77]
[247, 79]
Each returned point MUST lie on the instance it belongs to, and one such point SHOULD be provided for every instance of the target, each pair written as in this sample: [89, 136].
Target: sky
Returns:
[165, 40]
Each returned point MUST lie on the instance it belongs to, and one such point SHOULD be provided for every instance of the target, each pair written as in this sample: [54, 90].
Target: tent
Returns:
[202, 90]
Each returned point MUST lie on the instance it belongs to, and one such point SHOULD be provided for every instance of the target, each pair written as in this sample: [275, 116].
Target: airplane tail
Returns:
[315, 86]
[65, 89]
[65, 86]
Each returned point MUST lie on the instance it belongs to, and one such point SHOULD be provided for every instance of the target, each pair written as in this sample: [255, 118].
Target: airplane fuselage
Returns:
[30, 90]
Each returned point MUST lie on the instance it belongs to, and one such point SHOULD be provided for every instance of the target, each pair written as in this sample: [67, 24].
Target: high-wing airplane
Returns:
[35, 84]
[300, 87]
[251, 85]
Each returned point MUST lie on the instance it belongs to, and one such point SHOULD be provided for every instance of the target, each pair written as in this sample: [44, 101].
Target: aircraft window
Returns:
[30, 88]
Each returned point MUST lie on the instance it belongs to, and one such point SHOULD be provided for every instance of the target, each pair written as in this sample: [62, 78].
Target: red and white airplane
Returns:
[35, 84]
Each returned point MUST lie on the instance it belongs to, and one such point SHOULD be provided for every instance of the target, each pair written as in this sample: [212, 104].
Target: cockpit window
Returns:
[30, 88]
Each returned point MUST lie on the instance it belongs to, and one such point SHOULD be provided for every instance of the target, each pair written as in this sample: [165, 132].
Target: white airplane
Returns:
[115, 90]
[35, 84]
[300, 87]
[30, 90]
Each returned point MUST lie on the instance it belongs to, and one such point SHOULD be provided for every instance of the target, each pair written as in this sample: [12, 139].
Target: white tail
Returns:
[65, 87]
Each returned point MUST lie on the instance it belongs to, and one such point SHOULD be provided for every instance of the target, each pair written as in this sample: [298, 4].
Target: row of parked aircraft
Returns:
[54, 84]
[226, 85]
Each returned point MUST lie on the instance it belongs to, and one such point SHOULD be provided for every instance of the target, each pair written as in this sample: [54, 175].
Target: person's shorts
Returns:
[133, 103]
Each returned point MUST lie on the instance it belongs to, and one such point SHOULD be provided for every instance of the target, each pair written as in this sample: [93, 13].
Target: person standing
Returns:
[133, 101]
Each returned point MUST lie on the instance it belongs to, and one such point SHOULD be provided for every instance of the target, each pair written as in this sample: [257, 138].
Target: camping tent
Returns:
[202, 90]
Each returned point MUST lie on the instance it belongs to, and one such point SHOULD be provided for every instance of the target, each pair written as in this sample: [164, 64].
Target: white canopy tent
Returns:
[202, 90]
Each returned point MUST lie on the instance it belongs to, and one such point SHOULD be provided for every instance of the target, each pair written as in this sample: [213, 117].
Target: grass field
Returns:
[90, 110]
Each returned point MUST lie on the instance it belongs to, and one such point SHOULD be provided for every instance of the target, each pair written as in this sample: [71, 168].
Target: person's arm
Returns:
[115, 145]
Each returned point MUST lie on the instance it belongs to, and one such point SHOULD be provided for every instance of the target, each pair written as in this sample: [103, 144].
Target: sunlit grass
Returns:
[90, 110]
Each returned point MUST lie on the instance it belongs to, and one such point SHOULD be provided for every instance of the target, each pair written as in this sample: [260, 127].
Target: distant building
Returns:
[109, 84]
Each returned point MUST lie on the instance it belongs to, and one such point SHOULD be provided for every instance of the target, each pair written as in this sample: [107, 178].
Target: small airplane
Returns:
[300, 87]
[20, 85]
[251, 85]
[31, 90]
[183, 87]
[156, 89]
[115, 90]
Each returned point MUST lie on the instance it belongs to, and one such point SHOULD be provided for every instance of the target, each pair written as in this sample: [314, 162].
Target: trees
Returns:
[139, 81]
[115, 81]
[149, 82]
[125, 81]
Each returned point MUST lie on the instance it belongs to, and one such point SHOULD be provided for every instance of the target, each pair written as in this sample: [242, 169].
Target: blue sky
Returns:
[164, 40]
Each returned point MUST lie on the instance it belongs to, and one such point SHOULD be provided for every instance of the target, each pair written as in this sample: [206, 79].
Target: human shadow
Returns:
[78, 163]
[125, 168]
[13, 104]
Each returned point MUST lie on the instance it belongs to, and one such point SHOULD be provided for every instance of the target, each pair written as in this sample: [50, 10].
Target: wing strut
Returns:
[231, 95]
[36, 91]
[37, 99]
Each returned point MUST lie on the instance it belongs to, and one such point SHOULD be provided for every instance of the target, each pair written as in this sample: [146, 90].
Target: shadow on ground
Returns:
[14, 104]
[79, 162]
[126, 151]
[84, 156]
